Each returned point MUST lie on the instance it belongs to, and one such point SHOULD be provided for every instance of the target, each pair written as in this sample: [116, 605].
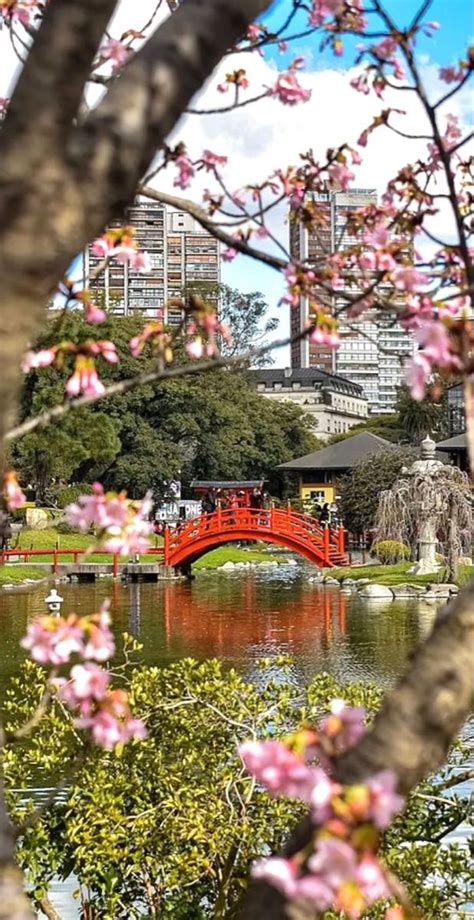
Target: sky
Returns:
[266, 136]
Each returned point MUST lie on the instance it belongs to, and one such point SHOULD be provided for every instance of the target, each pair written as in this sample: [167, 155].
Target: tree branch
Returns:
[116, 143]
[202, 217]
[412, 732]
[51, 83]
[154, 376]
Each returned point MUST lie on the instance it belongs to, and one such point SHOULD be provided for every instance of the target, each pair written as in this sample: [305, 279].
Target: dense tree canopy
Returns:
[361, 490]
[215, 426]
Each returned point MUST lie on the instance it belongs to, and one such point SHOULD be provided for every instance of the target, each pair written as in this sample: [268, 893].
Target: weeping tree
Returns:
[441, 495]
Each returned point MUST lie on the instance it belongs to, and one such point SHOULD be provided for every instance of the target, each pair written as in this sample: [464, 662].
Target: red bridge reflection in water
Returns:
[223, 626]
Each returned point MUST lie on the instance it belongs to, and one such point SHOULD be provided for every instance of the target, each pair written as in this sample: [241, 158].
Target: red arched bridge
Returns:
[300, 533]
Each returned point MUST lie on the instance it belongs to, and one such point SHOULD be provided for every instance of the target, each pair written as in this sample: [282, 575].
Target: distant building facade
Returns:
[319, 473]
[334, 404]
[456, 410]
[371, 349]
[180, 252]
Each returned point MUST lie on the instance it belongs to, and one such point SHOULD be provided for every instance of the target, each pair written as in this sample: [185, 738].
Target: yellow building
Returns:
[320, 471]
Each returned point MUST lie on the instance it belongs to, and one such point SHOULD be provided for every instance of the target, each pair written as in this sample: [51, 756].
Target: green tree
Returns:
[419, 418]
[360, 492]
[178, 813]
[214, 426]
[246, 315]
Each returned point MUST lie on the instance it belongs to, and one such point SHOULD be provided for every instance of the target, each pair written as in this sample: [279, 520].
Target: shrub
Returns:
[390, 551]
[69, 494]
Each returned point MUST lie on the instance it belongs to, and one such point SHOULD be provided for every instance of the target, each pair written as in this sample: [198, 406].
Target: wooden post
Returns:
[166, 545]
[341, 539]
[326, 545]
[55, 562]
[115, 565]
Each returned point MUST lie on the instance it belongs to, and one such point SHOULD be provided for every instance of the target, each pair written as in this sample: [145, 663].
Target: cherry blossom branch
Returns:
[154, 376]
[202, 217]
[410, 735]
[228, 108]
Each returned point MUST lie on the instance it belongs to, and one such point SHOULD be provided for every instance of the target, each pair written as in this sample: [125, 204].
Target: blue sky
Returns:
[456, 18]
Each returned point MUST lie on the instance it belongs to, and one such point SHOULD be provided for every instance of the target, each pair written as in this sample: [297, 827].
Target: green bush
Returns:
[388, 552]
[69, 494]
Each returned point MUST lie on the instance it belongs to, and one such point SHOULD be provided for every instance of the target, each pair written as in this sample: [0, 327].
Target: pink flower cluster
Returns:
[19, 10]
[288, 89]
[12, 493]
[342, 872]
[105, 712]
[348, 13]
[186, 171]
[154, 333]
[122, 525]
[84, 378]
[115, 52]
[120, 244]
[202, 332]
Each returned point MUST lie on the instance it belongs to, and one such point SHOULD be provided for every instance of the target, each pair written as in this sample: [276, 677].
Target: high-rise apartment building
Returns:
[372, 348]
[180, 252]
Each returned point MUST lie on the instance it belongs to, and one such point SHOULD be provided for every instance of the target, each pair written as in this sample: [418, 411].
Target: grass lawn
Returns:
[232, 553]
[395, 574]
[9, 575]
[50, 538]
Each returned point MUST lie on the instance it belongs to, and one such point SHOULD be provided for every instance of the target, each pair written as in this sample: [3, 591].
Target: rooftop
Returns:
[306, 376]
[458, 443]
[343, 455]
[230, 484]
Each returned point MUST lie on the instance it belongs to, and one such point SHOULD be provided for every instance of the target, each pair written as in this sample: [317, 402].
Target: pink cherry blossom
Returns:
[93, 314]
[84, 380]
[340, 175]
[51, 640]
[279, 872]
[321, 336]
[101, 247]
[12, 493]
[288, 89]
[115, 52]
[107, 349]
[333, 860]
[379, 236]
[367, 260]
[450, 74]
[186, 172]
[371, 879]
[385, 801]
[344, 725]
[229, 254]
[140, 261]
[195, 348]
[211, 160]
[86, 682]
[42, 358]
[434, 337]
[409, 278]
[418, 370]
[323, 791]
[276, 767]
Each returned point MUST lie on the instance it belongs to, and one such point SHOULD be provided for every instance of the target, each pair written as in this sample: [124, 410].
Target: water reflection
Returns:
[239, 618]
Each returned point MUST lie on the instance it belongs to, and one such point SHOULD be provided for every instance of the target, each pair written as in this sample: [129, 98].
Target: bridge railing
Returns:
[77, 555]
[281, 521]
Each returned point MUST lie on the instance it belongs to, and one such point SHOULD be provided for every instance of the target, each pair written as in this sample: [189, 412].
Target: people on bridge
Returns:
[325, 515]
[209, 502]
